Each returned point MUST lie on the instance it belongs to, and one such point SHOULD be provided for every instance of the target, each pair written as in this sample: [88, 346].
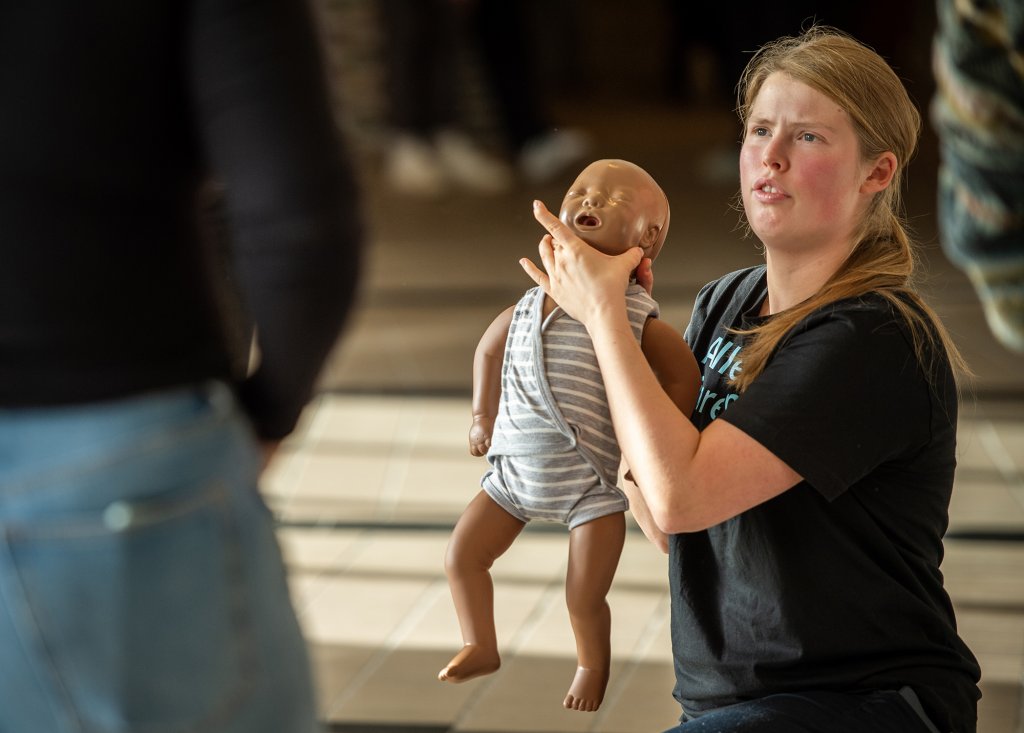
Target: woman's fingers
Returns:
[645, 275]
[535, 273]
[559, 231]
[578, 277]
[547, 257]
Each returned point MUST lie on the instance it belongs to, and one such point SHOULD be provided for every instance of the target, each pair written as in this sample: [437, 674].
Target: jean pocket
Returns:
[134, 616]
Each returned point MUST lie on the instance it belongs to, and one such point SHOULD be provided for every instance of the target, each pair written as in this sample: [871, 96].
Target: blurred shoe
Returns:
[1001, 291]
[545, 156]
[469, 166]
[414, 168]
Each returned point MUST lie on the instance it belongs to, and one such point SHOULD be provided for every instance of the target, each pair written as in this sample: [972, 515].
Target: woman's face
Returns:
[801, 169]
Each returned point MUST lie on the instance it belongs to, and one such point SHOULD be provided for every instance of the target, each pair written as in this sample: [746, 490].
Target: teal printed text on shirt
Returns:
[721, 357]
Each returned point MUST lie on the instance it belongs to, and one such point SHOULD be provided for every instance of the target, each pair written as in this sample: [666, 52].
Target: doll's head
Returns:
[615, 205]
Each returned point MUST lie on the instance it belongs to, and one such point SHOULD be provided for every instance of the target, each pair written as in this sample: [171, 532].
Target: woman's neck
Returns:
[795, 277]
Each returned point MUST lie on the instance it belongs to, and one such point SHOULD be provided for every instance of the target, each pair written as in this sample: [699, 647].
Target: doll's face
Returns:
[615, 205]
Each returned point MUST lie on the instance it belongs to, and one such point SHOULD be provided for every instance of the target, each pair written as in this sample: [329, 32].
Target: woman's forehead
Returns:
[782, 96]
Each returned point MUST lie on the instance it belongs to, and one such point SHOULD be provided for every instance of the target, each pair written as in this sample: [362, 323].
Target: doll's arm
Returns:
[677, 371]
[490, 353]
[672, 363]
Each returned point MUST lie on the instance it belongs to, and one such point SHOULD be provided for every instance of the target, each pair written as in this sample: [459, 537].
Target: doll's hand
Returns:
[582, 280]
[480, 435]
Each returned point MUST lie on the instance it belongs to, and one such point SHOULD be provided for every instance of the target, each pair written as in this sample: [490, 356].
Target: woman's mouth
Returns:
[766, 191]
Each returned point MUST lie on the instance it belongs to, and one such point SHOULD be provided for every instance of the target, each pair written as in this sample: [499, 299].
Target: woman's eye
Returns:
[760, 131]
[809, 137]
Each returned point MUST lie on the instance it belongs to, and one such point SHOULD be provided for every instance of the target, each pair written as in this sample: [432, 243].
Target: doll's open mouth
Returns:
[588, 221]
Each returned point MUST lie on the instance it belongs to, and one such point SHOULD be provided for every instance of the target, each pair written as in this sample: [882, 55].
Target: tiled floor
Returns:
[366, 494]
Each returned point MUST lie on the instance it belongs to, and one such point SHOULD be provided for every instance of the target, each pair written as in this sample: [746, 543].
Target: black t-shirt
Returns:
[835, 583]
[114, 116]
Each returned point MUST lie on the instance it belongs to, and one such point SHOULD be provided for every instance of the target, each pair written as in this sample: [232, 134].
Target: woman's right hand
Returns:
[645, 275]
[586, 283]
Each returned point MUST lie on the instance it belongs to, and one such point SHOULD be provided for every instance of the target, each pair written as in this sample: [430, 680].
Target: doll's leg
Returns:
[594, 550]
[484, 532]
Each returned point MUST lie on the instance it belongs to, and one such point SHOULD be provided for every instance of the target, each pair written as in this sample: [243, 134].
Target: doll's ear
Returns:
[650, 236]
[652, 241]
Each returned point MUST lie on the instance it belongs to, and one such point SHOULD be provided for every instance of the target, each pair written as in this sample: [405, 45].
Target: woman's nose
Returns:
[774, 156]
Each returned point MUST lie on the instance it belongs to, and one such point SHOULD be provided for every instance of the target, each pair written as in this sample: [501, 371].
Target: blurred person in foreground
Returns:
[141, 585]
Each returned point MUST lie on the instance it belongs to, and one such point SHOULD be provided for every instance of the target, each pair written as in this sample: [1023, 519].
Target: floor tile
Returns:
[335, 668]
[984, 503]
[985, 573]
[403, 689]
[366, 611]
[641, 701]
[308, 550]
[526, 695]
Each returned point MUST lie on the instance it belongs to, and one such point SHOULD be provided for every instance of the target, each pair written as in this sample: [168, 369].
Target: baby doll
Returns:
[541, 416]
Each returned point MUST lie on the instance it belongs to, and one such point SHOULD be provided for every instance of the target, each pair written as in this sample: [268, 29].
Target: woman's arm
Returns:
[690, 480]
[677, 372]
[641, 512]
[263, 114]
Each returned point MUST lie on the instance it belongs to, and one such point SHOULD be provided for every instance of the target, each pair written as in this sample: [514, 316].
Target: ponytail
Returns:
[883, 260]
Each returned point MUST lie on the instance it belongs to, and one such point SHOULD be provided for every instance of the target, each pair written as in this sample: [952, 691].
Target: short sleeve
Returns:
[841, 396]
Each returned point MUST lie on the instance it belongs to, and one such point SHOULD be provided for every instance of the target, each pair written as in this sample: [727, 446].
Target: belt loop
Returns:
[908, 694]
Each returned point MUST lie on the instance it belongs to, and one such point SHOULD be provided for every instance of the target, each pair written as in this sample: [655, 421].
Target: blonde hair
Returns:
[884, 118]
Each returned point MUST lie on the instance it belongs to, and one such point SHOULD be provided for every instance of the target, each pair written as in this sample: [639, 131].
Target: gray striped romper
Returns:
[554, 454]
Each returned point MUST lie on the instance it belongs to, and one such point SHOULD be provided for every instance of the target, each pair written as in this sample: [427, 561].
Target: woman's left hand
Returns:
[582, 280]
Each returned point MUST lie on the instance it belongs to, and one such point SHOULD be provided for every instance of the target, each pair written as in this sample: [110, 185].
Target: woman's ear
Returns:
[881, 173]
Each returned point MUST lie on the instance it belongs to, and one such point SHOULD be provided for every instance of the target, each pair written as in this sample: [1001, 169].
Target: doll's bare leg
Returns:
[594, 550]
[484, 532]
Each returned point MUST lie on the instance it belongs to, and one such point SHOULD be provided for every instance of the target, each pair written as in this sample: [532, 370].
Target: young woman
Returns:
[807, 499]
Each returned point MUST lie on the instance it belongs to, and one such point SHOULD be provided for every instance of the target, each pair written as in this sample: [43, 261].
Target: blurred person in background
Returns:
[979, 115]
[433, 148]
[141, 585]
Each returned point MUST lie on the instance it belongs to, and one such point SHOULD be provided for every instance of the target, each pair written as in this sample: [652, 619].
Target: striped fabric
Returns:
[553, 454]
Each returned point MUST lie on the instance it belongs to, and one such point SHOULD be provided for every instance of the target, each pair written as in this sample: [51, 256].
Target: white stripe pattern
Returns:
[553, 438]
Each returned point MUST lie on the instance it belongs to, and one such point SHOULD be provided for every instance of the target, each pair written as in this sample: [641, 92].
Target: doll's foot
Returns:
[587, 690]
[472, 661]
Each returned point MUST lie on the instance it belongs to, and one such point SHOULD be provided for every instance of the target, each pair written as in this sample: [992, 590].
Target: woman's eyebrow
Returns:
[814, 124]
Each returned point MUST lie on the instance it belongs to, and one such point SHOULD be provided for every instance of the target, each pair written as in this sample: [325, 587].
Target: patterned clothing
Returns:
[554, 454]
[979, 115]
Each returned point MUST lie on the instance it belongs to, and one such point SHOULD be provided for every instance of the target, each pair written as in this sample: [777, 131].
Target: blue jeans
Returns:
[884, 711]
[141, 584]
